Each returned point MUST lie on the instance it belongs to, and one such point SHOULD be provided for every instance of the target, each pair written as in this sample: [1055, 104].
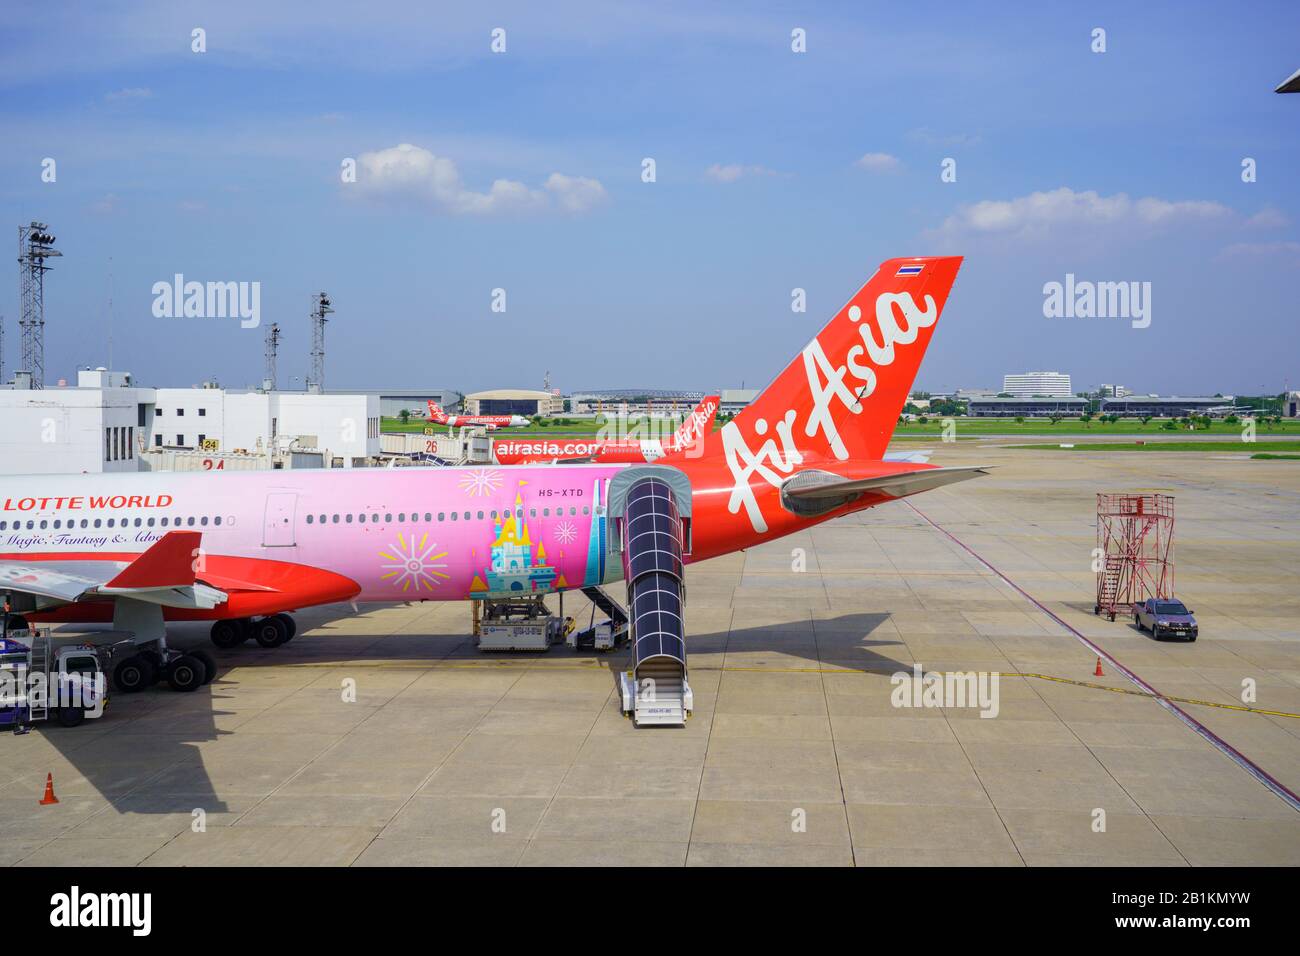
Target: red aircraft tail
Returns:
[696, 426]
[840, 398]
[436, 414]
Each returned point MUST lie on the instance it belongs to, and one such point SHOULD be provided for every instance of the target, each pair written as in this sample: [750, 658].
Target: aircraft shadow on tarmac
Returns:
[168, 726]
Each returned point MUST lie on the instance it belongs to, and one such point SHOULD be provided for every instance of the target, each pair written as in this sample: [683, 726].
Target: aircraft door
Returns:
[278, 525]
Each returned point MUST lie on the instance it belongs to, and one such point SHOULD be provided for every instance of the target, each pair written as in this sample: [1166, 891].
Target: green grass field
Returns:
[1277, 457]
[966, 429]
[1237, 446]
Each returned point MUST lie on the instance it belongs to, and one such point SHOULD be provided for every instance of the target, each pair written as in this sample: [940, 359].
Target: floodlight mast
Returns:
[35, 246]
[316, 378]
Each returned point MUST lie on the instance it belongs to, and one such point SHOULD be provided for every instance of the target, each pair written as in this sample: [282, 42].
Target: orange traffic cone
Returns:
[1097, 672]
[49, 797]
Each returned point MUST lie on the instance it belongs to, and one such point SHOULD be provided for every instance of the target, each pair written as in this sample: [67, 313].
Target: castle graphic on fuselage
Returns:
[517, 565]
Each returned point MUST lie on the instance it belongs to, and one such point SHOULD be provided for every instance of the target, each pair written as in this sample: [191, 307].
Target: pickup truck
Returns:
[1164, 617]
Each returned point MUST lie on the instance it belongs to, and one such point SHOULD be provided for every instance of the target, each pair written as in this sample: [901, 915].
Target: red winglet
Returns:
[169, 562]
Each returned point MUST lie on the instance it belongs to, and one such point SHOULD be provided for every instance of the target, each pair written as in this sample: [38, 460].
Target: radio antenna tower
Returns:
[316, 378]
[272, 346]
[35, 245]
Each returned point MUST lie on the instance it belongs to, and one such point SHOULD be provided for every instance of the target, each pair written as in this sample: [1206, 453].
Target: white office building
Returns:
[107, 424]
[1029, 384]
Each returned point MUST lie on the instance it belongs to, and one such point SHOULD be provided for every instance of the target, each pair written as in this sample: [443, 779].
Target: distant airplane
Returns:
[439, 417]
[608, 451]
[242, 549]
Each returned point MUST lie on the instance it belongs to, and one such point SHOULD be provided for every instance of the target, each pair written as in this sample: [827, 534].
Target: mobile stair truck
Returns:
[37, 682]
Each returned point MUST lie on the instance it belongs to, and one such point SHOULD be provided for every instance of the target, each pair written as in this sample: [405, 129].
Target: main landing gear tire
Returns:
[209, 664]
[229, 633]
[186, 673]
[134, 674]
[271, 631]
[290, 624]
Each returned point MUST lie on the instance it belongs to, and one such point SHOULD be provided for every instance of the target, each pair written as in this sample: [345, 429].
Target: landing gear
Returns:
[272, 631]
[134, 674]
[290, 624]
[186, 673]
[268, 631]
[209, 664]
[231, 632]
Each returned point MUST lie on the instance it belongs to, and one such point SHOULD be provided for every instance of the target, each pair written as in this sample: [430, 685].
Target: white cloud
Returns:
[731, 172]
[575, 194]
[1038, 214]
[1288, 253]
[407, 172]
[1268, 218]
[879, 163]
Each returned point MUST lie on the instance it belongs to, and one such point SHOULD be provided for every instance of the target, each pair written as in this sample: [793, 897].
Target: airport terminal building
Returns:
[106, 423]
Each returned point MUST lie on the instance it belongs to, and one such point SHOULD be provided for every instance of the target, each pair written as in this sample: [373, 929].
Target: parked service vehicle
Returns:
[35, 684]
[1165, 617]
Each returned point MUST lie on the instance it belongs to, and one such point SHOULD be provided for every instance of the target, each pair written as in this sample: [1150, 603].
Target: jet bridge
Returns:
[651, 509]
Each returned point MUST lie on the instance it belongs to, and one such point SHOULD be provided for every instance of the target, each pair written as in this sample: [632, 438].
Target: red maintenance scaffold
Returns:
[1135, 551]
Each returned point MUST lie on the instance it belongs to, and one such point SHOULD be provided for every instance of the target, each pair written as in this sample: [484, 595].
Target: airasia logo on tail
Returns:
[898, 321]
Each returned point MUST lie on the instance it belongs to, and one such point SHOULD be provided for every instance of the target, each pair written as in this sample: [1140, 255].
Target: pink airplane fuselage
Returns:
[400, 534]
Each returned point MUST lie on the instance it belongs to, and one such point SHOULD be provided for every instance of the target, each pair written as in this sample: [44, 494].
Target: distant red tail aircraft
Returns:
[690, 434]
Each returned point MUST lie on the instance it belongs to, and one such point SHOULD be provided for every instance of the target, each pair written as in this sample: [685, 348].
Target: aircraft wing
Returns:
[163, 574]
[815, 484]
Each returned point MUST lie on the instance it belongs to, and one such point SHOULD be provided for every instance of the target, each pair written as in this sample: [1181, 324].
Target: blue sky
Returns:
[225, 166]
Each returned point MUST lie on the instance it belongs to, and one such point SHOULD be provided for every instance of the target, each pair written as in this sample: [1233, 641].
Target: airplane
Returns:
[526, 451]
[490, 422]
[243, 549]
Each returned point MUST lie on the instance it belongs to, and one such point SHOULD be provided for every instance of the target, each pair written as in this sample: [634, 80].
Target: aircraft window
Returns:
[3, 525]
[573, 512]
[190, 521]
[532, 512]
[336, 519]
[217, 520]
[466, 515]
[546, 512]
[347, 518]
[57, 524]
[586, 510]
[455, 515]
[203, 521]
[428, 516]
[150, 522]
[30, 525]
[309, 517]
[480, 516]
[138, 522]
[110, 523]
[85, 523]
[44, 525]
[96, 522]
[401, 516]
[375, 518]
